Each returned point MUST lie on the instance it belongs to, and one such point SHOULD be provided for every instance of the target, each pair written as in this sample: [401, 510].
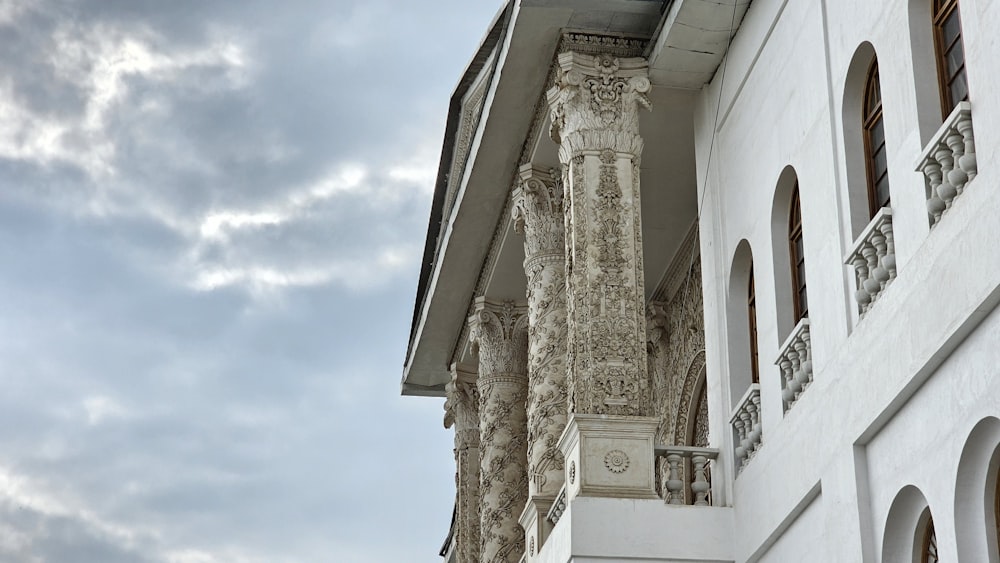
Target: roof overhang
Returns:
[522, 42]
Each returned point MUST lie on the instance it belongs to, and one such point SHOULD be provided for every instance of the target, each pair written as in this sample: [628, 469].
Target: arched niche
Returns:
[976, 494]
[780, 211]
[905, 523]
[737, 327]
[853, 128]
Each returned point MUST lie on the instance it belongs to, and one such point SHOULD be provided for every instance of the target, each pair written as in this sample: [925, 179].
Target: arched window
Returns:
[752, 315]
[928, 544]
[797, 255]
[950, 55]
[877, 162]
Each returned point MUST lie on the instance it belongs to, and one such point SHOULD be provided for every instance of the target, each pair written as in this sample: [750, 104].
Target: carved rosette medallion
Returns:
[616, 461]
[595, 116]
[462, 412]
[538, 214]
[499, 335]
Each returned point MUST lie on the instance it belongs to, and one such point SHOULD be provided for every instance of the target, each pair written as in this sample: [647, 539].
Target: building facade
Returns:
[713, 280]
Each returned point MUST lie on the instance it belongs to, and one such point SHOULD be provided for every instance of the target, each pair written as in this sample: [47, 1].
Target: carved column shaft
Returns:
[499, 334]
[595, 120]
[462, 412]
[538, 214]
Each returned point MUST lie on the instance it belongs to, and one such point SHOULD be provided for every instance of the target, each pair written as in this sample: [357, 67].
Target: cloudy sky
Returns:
[211, 219]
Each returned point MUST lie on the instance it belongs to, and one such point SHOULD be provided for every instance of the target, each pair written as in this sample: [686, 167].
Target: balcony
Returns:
[874, 259]
[795, 361]
[949, 162]
[689, 476]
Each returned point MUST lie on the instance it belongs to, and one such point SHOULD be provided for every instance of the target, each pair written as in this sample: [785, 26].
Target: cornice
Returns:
[680, 267]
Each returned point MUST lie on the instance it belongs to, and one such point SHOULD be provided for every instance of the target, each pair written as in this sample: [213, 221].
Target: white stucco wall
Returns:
[896, 394]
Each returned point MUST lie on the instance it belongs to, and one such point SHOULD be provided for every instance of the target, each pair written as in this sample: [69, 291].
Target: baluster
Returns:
[889, 260]
[788, 393]
[801, 375]
[700, 486]
[946, 191]
[740, 450]
[754, 408]
[957, 177]
[872, 285]
[861, 270]
[968, 160]
[935, 205]
[880, 273]
[675, 484]
[807, 364]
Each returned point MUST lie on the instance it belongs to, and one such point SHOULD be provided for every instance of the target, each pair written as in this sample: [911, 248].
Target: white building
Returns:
[787, 350]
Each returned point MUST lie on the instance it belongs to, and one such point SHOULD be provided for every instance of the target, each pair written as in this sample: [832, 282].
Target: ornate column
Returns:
[538, 214]
[595, 120]
[499, 335]
[462, 412]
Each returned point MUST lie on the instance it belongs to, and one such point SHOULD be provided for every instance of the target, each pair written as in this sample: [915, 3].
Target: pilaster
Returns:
[462, 412]
[499, 336]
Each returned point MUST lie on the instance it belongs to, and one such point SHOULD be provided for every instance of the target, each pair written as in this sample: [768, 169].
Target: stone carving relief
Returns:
[616, 461]
[594, 105]
[538, 214]
[676, 344]
[462, 412]
[499, 335]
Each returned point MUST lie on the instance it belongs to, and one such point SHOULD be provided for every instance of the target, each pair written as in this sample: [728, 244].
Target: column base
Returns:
[609, 456]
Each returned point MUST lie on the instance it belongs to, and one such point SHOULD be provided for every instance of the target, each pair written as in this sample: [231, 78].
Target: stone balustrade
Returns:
[746, 426]
[688, 467]
[874, 259]
[949, 161]
[558, 507]
[795, 361]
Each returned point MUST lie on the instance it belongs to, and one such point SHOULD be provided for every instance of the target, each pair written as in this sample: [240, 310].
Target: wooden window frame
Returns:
[752, 318]
[941, 10]
[928, 543]
[871, 116]
[800, 310]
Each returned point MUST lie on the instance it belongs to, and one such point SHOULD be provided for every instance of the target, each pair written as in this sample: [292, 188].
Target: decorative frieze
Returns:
[949, 161]
[874, 259]
[538, 214]
[594, 106]
[462, 412]
[499, 336]
[747, 429]
[795, 361]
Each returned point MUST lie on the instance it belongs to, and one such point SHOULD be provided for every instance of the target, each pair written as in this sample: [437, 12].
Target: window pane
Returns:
[882, 192]
[955, 59]
[803, 302]
[877, 135]
[798, 249]
[880, 164]
[959, 89]
[951, 28]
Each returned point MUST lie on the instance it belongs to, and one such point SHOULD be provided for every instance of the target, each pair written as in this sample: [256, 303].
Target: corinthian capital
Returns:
[595, 103]
[499, 335]
[538, 211]
[461, 405]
